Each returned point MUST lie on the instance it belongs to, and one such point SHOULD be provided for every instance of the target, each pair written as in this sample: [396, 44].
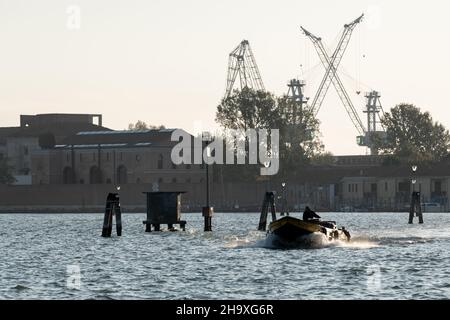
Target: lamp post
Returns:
[267, 165]
[284, 209]
[416, 207]
[414, 180]
[208, 210]
[208, 155]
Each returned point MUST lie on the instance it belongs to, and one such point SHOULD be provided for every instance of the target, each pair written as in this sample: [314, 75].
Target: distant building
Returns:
[113, 157]
[41, 132]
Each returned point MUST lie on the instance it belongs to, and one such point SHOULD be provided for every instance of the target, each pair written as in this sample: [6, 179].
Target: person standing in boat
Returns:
[309, 215]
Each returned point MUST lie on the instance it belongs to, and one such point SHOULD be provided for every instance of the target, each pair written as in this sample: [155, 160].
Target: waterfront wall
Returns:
[91, 198]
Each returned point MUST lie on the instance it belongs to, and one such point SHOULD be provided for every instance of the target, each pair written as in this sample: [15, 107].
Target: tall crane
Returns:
[331, 65]
[242, 63]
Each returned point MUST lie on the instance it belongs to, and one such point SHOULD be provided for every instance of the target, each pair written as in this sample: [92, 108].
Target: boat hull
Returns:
[289, 229]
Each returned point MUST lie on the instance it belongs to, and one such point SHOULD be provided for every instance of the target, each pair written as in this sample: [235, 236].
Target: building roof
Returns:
[119, 139]
[6, 132]
[59, 130]
[334, 174]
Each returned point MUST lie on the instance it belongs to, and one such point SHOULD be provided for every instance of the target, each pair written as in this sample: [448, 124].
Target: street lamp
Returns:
[414, 180]
[208, 155]
[208, 210]
[267, 165]
[284, 206]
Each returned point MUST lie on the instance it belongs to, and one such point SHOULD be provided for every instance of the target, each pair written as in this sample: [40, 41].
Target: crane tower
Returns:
[242, 64]
[331, 65]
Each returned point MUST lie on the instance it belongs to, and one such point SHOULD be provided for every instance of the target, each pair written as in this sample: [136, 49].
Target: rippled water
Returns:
[387, 259]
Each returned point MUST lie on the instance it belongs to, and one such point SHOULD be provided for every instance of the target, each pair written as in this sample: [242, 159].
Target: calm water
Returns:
[388, 259]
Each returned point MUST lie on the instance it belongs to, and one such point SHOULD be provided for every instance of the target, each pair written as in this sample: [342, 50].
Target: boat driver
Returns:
[309, 215]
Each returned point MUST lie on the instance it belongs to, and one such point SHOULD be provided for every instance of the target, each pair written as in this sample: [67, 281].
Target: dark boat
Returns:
[290, 229]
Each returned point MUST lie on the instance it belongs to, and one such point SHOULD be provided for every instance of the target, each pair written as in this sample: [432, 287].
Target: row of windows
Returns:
[95, 177]
[85, 157]
[353, 187]
[138, 181]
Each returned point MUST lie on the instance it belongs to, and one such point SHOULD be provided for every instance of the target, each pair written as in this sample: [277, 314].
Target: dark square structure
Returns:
[163, 208]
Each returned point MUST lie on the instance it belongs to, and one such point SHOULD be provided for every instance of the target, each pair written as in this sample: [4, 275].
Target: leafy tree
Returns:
[299, 131]
[248, 109]
[6, 171]
[142, 126]
[413, 135]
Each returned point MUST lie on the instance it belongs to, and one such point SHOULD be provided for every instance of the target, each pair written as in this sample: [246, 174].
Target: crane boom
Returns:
[331, 65]
[242, 63]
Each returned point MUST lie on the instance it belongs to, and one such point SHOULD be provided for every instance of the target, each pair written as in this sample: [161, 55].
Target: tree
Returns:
[142, 126]
[248, 109]
[413, 135]
[299, 131]
[6, 176]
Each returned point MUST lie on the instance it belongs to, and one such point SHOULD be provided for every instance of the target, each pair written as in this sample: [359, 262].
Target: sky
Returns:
[165, 62]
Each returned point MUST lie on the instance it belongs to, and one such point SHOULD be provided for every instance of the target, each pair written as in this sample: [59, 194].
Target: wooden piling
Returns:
[112, 208]
[415, 208]
[269, 202]
[207, 215]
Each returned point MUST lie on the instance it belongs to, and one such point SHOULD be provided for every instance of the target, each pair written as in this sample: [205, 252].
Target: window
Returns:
[356, 187]
[138, 158]
[373, 188]
[174, 180]
[95, 175]
[138, 180]
[160, 180]
[107, 156]
[121, 156]
[81, 157]
[122, 175]
[437, 186]
[93, 156]
[386, 186]
[68, 175]
[160, 161]
[25, 150]
[81, 181]
[1, 156]
[108, 181]
[188, 180]
[188, 167]
[67, 157]
[349, 188]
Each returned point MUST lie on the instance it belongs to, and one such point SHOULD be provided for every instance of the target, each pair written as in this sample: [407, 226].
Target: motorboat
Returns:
[289, 229]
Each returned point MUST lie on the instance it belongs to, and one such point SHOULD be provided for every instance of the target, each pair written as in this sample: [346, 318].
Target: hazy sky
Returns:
[165, 62]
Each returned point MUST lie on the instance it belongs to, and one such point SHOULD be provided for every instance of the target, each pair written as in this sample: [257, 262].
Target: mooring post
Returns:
[272, 206]
[112, 208]
[415, 208]
[207, 215]
[118, 214]
[264, 212]
[269, 200]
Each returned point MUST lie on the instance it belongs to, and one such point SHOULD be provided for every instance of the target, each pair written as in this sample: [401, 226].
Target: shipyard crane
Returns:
[331, 76]
[331, 65]
[242, 63]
